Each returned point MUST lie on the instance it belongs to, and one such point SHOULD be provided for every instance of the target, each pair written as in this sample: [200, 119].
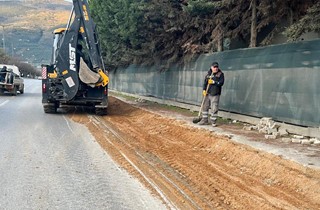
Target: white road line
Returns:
[3, 103]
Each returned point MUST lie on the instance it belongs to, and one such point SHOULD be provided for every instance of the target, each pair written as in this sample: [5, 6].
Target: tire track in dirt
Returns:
[197, 169]
[130, 163]
[172, 159]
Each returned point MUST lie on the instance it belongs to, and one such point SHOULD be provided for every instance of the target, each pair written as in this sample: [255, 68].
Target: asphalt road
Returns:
[49, 162]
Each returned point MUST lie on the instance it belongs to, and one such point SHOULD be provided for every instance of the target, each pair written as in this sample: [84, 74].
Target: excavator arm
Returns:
[77, 39]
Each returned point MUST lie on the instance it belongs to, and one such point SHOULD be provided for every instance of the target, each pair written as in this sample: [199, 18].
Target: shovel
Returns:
[198, 119]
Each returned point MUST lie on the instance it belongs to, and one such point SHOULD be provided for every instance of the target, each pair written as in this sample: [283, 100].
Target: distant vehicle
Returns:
[10, 79]
[39, 77]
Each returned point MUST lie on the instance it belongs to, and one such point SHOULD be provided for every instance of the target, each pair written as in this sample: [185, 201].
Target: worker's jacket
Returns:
[214, 89]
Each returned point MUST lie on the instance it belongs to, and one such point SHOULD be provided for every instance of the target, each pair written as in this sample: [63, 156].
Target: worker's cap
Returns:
[215, 64]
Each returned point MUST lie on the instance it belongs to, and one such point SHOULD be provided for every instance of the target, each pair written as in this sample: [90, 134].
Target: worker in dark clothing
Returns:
[213, 82]
[3, 73]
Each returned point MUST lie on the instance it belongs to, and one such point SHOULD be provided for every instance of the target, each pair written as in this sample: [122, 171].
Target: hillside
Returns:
[28, 26]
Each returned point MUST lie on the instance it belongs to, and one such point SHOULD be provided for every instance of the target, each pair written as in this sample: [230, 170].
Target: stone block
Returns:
[270, 136]
[316, 142]
[283, 131]
[271, 130]
[263, 130]
[295, 140]
[286, 140]
[298, 137]
[306, 141]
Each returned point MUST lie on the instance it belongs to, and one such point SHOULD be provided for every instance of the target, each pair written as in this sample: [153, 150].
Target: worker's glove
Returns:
[211, 81]
[204, 93]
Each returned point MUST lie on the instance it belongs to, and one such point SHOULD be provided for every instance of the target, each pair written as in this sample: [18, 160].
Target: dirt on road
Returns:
[190, 167]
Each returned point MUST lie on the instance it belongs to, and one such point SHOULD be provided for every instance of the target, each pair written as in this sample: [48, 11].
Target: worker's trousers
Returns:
[212, 103]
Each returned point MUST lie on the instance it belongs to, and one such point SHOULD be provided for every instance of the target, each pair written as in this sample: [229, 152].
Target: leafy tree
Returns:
[309, 22]
[119, 25]
[168, 31]
[211, 12]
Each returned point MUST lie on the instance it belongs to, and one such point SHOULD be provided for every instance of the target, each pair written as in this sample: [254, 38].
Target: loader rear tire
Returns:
[101, 111]
[50, 108]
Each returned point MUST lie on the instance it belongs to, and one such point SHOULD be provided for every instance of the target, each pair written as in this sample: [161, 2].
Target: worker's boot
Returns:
[213, 120]
[204, 121]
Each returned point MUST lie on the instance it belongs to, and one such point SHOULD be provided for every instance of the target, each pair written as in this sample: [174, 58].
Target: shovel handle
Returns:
[208, 85]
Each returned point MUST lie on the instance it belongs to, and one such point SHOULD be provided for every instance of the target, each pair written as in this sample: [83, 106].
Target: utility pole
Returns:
[3, 36]
[3, 40]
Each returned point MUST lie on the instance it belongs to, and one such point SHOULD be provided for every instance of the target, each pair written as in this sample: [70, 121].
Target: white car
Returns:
[12, 81]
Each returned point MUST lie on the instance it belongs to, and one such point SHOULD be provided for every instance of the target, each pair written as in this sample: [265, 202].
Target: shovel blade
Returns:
[196, 120]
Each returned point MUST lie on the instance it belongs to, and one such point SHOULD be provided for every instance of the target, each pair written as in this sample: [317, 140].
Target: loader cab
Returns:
[57, 40]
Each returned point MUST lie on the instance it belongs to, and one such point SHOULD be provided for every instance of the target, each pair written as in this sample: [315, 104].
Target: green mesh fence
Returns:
[279, 81]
